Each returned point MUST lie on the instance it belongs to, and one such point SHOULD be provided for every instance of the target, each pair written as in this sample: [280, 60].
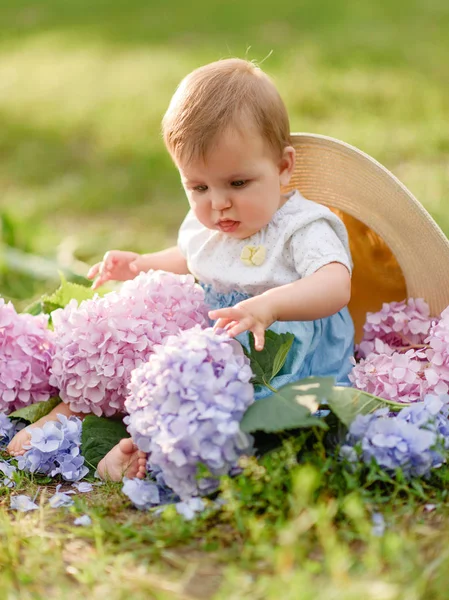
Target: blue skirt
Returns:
[321, 348]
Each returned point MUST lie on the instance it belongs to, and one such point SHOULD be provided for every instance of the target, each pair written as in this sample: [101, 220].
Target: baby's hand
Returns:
[116, 265]
[21, 439]
[254, 314]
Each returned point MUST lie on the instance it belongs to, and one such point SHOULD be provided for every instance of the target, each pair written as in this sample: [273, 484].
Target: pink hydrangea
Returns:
[100, 342]
[395, 376]
[398, 325]
[437, 374]
[26, 352]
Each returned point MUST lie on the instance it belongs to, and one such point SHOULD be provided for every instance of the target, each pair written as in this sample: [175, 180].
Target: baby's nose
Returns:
[220, 201]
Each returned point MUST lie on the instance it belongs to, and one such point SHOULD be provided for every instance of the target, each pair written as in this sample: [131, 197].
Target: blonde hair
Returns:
[218, 96]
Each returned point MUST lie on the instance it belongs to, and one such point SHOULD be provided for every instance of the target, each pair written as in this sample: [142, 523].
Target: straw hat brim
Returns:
[397, 248]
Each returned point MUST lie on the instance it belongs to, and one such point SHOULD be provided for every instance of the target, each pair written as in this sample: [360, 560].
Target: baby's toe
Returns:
[126, 445]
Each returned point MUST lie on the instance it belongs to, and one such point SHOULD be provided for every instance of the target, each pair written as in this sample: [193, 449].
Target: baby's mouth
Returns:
[228, 225]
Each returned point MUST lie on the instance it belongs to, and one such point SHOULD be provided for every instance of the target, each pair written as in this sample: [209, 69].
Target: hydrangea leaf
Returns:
[66, 292]
[34, 412]
[99, 435]
[60, 297]
[292, 407]
[35, 308]
[266, 363]
[347, 402]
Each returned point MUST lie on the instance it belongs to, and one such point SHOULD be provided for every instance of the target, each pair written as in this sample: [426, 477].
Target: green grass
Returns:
[300, 525]
[83, 86]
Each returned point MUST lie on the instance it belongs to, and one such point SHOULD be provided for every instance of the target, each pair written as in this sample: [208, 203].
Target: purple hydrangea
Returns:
[185, 406]
[149, 492]
[100, 342]
[54, 449]
[414, 440]
[7, 430]
[143, 494]
[6, 474]
[83, 521]
[61, 499]
[22, 503]
[26, 352]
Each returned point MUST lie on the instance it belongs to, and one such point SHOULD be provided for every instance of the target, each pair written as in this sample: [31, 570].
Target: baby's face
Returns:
[236, 189]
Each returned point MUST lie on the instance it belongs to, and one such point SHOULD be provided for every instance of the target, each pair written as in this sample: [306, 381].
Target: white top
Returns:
[302, 237]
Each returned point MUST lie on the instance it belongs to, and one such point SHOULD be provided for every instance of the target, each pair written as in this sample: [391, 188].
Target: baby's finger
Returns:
[93, 271]
[101, 279]
[222, 323]
[109, 261]
[239, 328]
[230, 314]
[259, 338]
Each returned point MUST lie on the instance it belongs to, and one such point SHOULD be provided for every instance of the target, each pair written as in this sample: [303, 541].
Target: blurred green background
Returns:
[84, 84]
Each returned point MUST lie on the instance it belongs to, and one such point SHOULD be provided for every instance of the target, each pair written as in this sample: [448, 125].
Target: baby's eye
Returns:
[239, 183]
[200, 188]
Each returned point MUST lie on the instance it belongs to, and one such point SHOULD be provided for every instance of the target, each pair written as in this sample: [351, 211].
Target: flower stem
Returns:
[274, 390]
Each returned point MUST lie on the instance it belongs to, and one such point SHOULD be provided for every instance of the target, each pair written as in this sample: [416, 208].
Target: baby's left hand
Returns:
[254, 314]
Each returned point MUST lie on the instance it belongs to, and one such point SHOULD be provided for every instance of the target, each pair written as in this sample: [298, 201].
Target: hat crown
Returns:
[397, 248]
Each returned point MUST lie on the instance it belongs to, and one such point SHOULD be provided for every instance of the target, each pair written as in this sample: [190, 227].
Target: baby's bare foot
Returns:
[124, 460]
[21, 439]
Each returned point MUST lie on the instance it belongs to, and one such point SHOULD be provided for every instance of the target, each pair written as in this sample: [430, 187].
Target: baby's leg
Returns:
[124, 460]
[22, 438]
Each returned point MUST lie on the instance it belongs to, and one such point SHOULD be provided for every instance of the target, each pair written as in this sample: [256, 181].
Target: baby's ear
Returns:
[286, 165]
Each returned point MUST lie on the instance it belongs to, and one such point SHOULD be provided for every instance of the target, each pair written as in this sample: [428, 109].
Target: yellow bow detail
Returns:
[253, 256]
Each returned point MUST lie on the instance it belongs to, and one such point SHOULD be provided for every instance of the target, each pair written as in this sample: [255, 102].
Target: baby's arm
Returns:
[316, 296]
[120, 266]
[22, 438]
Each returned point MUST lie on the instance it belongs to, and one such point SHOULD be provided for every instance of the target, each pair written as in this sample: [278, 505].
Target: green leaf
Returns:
[35, 308]
[267, 363]
[66, 292]
[289, 408]
[346, 403]
[36, 411]
[98, 436]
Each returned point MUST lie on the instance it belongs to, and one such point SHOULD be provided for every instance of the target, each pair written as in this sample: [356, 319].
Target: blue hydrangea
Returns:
[149, 492]
[6, 473]
[185, 407]
[22, 503]
[414, 440]
[7, 430]
[142, 493]
[54, 449]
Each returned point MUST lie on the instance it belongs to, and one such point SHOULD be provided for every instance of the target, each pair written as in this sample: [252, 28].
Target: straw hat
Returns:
[398, 250]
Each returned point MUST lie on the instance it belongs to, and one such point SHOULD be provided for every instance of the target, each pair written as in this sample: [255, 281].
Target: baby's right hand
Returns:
[116, 265]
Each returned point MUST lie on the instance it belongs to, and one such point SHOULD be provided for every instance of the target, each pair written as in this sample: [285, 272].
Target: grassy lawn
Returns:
[83, 86]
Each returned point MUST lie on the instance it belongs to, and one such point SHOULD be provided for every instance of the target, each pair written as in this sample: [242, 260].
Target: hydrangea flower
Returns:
[395, 376]
[185, 406]
[100, 342]
[26, 352]
[22, 503]
[7, 430]
[142, 493]
[8, 471]
[60, 499]
[190, 508]
[437, 375]
[404, 373]
[83, 521]
[83, 487]
[413, 440]
[397, 325]
[54, 449]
